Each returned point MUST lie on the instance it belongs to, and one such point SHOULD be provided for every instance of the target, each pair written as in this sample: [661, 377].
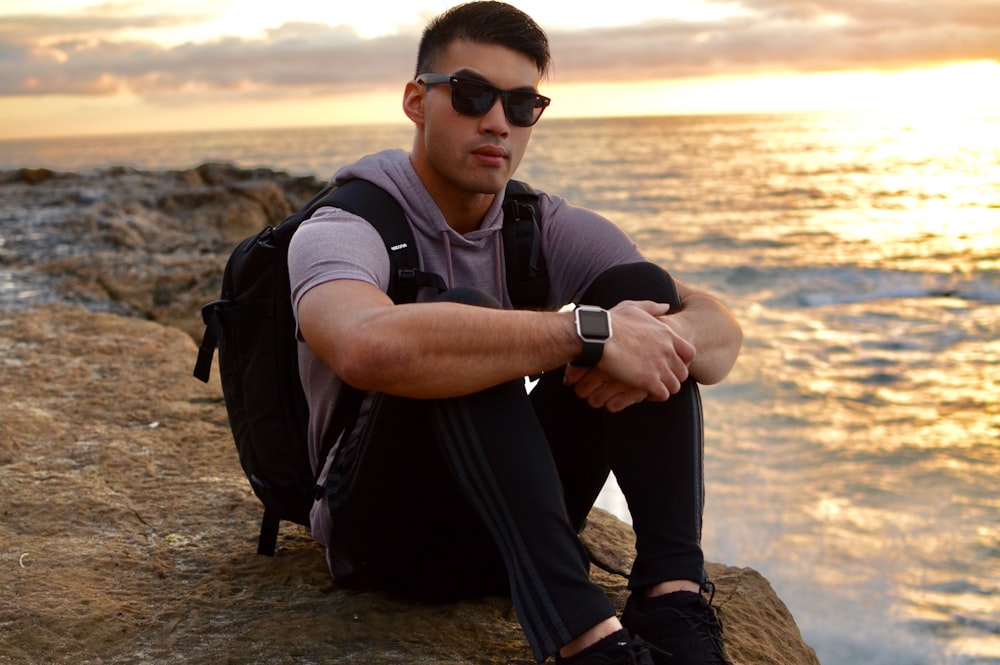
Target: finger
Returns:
[595, 396]
[573, 374]
[599, 397]
[586, 380]
[614, 392]
[658, 392]
[673, 384]
[652, 306]
[589, 384]
[681, 370]
[625, 399]
[685, 351]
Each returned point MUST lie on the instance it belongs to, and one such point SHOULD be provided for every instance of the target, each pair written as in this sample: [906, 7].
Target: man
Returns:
[458, 482]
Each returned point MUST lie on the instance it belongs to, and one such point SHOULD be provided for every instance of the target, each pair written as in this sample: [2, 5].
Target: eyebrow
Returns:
[476, 76]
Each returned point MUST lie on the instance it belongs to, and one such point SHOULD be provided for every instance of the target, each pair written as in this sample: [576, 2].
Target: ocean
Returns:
[853, 456]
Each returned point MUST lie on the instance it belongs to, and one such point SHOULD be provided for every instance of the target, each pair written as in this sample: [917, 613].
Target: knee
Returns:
[466, 295]
[632, 281]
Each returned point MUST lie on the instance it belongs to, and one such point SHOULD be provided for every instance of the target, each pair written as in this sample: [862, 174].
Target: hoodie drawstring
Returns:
[498, 262]
[447, 253]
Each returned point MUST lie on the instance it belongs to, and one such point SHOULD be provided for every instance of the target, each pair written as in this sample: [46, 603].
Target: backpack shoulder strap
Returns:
[383, 212]
[375, 205]
[527, 276]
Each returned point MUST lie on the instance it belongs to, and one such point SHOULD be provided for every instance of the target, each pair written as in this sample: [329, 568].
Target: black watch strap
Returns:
[591, 354]
[593, 327]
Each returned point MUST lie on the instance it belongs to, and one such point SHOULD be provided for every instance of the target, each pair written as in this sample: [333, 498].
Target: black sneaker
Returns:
[682, 626]
[617, 649]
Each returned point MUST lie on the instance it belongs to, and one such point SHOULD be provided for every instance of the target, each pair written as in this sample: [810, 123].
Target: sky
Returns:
[73, 67]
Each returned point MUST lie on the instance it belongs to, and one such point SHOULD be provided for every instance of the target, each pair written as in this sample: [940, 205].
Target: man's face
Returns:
[473, 154]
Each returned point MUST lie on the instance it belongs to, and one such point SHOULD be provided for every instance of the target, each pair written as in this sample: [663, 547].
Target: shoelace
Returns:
[637, 644]
[653, 647]
[707, 616]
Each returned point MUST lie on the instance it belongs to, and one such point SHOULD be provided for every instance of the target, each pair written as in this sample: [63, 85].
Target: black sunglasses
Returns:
[471, 97]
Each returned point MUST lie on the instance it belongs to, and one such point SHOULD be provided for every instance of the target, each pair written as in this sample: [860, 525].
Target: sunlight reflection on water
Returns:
[854, 453]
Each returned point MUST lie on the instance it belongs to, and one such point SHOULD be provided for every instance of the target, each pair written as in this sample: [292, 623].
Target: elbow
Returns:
[718, 366]
[367, 363]
[353, 340]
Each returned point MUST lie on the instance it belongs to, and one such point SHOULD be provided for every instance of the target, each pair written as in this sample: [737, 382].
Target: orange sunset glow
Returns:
[72, 67]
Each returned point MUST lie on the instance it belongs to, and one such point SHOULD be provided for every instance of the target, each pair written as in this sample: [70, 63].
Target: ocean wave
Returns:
[844, 285]
[984, 624]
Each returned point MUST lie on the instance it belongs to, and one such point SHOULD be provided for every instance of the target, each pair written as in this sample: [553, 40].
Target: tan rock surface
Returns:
[127, 530]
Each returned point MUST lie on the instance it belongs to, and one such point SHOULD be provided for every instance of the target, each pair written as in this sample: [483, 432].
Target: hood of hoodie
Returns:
[473, 259]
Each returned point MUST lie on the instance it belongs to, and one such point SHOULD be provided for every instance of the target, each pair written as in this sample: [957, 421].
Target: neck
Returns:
[464, 214]
[463, 210]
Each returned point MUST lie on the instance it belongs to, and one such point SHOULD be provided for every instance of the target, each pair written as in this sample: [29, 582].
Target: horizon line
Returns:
[556, 119]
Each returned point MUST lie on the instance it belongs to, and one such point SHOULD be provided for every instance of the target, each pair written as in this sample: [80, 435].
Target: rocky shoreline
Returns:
[127, 527]
[140, 243]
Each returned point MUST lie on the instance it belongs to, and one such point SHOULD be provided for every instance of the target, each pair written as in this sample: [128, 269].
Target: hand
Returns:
[600, 390]
[646, 359]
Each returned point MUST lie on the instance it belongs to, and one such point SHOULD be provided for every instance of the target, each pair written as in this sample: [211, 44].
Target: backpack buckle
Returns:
[209, 309]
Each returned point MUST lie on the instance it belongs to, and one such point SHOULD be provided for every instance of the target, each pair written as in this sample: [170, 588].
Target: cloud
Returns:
[788, 36]
[99, 53]
[93, 20]
[331, 58]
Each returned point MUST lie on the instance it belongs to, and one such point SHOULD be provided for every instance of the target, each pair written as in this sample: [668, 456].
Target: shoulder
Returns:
[335, 244]
[333, 225]
[561, 220]
[578, 245]
[380, 167]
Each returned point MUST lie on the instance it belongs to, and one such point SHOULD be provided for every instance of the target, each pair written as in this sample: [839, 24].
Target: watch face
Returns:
[594, 324]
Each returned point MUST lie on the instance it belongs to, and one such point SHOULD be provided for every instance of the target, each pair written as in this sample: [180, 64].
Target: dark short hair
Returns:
[495, 23]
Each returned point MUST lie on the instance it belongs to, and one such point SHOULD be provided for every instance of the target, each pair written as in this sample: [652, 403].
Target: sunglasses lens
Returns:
[522, 108]
[472, 97]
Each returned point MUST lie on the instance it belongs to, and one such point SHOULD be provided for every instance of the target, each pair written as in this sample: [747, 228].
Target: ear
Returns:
[413, 101]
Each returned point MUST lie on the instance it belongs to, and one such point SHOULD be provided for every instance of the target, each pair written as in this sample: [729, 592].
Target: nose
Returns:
[494, 122]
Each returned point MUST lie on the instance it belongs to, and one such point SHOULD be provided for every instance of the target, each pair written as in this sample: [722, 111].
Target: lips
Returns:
[490, 154]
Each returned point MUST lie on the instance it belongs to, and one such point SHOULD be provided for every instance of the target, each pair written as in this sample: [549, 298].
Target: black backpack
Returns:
[253, 326]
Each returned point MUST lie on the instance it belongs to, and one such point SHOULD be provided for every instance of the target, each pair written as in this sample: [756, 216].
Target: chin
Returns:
[486, 184]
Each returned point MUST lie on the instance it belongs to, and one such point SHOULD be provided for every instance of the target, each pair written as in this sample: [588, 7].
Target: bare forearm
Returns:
[443, 349]
[711, 329]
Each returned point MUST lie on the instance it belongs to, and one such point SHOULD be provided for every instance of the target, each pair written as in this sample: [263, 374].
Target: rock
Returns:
[34, 176]
[142, 243]
[128, 530]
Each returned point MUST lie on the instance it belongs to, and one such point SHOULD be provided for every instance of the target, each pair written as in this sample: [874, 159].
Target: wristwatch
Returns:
[593, 326]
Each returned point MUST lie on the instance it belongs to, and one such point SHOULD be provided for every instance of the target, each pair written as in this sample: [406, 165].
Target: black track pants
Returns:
[484, 494]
